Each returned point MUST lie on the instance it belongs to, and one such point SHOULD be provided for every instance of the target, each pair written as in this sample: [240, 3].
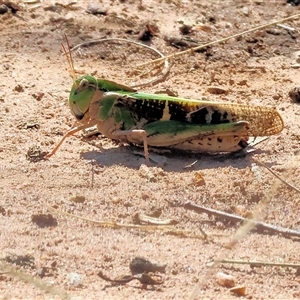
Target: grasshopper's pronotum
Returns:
[159, 120]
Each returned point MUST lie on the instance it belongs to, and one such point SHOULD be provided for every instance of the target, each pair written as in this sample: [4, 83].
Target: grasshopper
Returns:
[122, 113]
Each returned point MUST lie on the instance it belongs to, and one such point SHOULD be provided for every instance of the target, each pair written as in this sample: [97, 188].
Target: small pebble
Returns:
[74, 279]
[225, 280]
[38, 95]
[96, 9]
[238, 290]
[19, 88]
[3, 9]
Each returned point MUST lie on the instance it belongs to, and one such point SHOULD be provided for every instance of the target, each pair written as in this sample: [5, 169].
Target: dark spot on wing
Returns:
[199, 116]
[178, 111]
[212, 114]
[151, 110]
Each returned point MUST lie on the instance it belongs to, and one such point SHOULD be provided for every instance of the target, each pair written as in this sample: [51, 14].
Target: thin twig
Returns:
[260, 227]
[216, 42]
[278, 177]
[288, 28]
[258, 263]
[145, 219]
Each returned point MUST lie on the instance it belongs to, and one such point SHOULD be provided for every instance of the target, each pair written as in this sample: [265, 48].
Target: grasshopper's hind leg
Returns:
[227, 137]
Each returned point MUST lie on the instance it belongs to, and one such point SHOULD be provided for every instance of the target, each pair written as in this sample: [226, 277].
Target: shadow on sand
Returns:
[132, 157]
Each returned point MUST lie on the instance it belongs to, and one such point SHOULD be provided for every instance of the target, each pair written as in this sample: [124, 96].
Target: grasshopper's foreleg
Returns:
[139, 133]
[70, 132]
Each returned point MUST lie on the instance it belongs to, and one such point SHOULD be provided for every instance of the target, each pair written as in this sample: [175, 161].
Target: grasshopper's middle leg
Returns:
[139, 133]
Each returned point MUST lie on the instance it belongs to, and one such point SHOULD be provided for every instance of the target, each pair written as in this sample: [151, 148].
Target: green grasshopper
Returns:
[158, 120]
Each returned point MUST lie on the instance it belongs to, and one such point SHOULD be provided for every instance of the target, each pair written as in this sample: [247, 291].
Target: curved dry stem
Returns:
[164, 72]
[110, 224]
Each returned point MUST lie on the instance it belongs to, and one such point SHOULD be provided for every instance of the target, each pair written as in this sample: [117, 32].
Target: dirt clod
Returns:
[35, 154]
[19, 88]
[294, 94]
[44, 220]
[20, 260]
[139, 265]
[38, 95]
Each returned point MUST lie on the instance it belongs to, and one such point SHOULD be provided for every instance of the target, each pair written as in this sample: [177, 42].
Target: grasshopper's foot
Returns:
[48, 155]
[146, 151]
[142, 133]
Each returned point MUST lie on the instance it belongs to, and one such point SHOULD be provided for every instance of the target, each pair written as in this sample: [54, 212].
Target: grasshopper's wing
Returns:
[263, 121]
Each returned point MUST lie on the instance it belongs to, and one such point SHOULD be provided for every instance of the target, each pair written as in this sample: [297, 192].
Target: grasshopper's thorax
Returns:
[81, 94]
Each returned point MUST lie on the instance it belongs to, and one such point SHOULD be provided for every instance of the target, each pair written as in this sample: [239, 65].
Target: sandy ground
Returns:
[97, 179]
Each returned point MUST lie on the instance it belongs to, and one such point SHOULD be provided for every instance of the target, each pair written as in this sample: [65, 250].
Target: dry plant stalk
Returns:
[191, 50]
[109, 224]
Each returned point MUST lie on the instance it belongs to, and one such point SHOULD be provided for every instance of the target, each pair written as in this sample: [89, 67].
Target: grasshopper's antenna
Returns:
[69, 58]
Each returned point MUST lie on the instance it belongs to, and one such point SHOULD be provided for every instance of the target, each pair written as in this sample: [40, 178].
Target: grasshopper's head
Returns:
[81, 95]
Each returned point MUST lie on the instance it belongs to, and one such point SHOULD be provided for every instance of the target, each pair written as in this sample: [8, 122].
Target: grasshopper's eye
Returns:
[84, 83]
[82, 86]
